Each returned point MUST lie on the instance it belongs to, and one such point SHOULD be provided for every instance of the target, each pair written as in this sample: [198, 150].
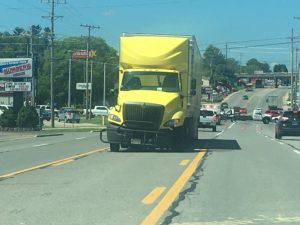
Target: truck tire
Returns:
[114, 147]
[266, 120]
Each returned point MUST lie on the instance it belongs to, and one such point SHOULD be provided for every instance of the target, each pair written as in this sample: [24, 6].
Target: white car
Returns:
[4, 107]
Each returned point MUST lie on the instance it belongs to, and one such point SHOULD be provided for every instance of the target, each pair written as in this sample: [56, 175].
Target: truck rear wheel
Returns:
[114, 147]
[214, 129]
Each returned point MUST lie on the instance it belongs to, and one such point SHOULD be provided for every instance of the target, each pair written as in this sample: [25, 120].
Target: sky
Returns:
[260, 29]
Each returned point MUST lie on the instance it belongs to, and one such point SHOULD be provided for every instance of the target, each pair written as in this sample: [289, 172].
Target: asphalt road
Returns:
[237, 175]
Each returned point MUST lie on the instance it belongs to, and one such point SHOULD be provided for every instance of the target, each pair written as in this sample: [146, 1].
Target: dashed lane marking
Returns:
[40, 145]
[184, 162]
[153, 195]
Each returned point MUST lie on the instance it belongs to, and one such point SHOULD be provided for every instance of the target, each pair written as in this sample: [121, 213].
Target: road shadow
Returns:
[199, 145]
[217, 145]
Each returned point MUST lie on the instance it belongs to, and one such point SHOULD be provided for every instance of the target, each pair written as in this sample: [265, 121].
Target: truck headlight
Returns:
[172, 123]
[114, 118]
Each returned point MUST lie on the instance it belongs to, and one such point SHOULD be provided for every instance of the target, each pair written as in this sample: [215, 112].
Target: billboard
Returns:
[15, 67]
[17, 86]
[81, 54]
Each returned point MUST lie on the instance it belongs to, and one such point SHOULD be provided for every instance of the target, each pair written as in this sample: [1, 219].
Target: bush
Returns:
[8, 118]
[28, 117]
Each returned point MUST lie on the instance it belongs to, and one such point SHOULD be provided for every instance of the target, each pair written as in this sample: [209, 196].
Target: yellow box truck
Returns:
[159, 93]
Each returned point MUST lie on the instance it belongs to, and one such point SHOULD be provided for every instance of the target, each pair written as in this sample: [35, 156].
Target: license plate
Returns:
[135, 141]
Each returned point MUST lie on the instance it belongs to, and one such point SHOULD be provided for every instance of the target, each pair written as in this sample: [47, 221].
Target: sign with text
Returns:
[17, 86]
[81, 54]
[15, 67]
[82, 86]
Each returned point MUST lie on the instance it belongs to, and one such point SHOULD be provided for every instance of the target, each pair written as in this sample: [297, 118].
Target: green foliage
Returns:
[8, 118]
[27, 117]
[280, 68]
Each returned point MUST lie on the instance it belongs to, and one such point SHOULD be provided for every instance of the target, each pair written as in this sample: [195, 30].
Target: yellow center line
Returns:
[153, 195]
[184, 162]
[174, 191]
[63, 162]
[51, 163]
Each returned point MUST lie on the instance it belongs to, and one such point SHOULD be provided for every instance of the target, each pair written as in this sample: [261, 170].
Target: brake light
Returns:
[215, 118]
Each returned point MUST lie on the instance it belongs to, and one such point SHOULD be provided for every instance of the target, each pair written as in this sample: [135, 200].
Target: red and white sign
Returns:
[81, 54]
[15, 67]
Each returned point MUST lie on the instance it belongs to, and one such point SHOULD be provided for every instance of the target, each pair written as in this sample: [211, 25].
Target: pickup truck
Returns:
[99, 110]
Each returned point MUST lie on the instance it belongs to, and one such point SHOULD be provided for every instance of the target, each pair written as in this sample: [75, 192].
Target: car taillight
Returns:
[215, 118]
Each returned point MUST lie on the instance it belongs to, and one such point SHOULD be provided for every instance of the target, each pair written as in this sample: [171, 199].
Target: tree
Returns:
[280, 68]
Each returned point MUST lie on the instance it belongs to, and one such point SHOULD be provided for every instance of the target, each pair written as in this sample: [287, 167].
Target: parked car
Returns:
[69, 115]
[288, 124]
[208, 119]
[99, 111]
[3, 108]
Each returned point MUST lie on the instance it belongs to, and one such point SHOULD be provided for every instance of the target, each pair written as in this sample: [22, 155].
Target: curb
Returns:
[47, 135]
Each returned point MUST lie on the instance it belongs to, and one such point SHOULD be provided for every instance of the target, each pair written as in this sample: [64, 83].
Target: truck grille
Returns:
[143, 116]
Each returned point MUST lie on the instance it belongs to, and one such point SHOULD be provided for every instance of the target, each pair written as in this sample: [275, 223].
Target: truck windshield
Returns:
[158, 81]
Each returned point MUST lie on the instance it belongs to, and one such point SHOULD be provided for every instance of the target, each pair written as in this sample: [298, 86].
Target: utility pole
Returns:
[33, 69]
[87, 66]
[292, 70]
[52, 17]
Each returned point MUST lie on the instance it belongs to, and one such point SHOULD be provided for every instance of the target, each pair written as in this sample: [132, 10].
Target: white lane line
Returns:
[39, 145]
[220, 133]
[281, 143]
[80, 138]
[296, 151]
[272, 139]
[231, 126]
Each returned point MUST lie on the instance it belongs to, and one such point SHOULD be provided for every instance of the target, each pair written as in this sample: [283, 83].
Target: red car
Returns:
[274, 112]
[243, 110]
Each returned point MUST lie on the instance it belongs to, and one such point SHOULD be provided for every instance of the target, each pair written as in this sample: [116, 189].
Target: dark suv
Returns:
[288, 124]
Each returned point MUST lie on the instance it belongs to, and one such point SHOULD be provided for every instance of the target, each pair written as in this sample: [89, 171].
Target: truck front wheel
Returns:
[114, 147]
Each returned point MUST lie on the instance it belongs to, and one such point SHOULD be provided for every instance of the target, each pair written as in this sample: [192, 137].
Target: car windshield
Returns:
[158, 81]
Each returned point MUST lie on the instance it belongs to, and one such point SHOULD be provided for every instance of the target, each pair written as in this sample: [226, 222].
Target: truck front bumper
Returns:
[127, 137]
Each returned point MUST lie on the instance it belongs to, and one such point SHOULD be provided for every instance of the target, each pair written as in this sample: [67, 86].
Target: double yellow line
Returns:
[56, 162]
